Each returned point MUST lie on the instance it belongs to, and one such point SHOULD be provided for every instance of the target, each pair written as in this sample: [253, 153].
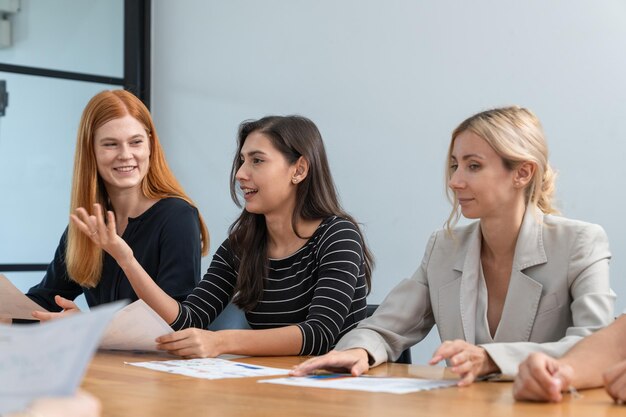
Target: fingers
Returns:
[65, 304]
[111, 226]
[354, 360]
[68, 306]
[541, 378]
[94, 225]
[466, 379]
[190, 343]
[86, 223]
[45, 316]
[446, 350]
[615, 382]
[526, 388]
[173, 337]
[465, 359]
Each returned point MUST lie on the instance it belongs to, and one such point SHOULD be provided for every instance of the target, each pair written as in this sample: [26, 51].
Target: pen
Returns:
[570, 388]
[243, 365]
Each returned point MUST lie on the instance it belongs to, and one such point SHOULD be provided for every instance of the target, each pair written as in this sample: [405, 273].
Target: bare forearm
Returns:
[269, 342]
[596, 353]
[149, 291]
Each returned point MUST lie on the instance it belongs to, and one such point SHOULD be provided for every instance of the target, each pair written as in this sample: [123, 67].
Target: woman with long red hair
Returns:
[119, 166]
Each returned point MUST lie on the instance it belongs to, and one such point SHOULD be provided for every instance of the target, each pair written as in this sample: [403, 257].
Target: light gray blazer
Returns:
[559, 292]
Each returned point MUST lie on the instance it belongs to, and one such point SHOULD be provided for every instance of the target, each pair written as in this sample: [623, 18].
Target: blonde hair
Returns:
[516, 135]
[82, 257]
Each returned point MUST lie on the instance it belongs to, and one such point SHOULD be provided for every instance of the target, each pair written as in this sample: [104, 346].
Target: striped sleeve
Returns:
[339, 275]
[211, 295]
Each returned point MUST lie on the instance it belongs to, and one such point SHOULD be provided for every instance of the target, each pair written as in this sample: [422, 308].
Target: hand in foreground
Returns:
[191, 343]
[354, 360]
[541, 378]
[467, 360]
[102, 234]
[82, 404]
[615, 382]
[68, 306]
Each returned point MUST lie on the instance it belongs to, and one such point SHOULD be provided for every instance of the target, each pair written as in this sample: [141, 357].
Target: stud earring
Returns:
[294, 180]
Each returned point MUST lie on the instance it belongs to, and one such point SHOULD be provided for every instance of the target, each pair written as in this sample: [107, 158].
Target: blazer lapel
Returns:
[524, 293]
[470, 261]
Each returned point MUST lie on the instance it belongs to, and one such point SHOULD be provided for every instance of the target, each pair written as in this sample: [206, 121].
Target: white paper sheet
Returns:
[48, 359]
[363, 383]
[135, 327]
[211, 368]
[14, 304]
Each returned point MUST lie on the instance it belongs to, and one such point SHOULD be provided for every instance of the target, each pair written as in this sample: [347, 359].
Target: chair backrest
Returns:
[405, 357]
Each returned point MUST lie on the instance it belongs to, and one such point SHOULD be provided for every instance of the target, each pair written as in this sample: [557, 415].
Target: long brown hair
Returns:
[83, 258]
[316, 198]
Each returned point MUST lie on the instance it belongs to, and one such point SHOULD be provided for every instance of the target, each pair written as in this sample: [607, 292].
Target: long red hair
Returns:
[82, 257]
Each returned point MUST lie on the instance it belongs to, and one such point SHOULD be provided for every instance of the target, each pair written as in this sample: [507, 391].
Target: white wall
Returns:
[386, 82]
[38, 132]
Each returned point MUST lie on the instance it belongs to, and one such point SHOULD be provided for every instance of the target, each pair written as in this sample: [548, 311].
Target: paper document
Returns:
[211, 368]
[48, 359]
[135, 327]
[14, 304]
[364, 383]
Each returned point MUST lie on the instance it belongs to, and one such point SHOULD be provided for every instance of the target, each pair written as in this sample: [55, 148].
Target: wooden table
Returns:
[131, 391]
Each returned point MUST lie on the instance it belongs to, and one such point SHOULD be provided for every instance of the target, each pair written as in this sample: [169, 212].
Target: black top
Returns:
[166, 241]
[320, 288]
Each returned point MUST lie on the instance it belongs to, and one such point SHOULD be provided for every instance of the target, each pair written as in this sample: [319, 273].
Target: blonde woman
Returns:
[119, 165]
[518, 280]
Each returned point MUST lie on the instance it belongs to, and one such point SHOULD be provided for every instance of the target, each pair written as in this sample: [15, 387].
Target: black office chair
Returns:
[405, 357]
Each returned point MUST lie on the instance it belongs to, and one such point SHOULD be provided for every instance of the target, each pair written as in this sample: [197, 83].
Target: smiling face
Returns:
[482, 184]
[122, 150]
[266, 177]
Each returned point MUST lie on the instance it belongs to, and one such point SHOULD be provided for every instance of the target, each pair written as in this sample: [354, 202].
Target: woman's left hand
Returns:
[467, 360]
[102, 234]
[68, 306]
[191, 343]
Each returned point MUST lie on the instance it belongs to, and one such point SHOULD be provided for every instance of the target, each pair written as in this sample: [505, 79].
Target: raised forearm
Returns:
[149, 291]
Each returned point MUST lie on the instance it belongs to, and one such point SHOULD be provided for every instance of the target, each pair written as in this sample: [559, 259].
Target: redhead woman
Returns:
[120, 166]
[518, 280]
[294, 260]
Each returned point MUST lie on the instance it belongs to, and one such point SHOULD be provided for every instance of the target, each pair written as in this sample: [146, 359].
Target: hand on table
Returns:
[467, 360]
[191, 343]
[615, 382]
[541, 378]
[354, 360]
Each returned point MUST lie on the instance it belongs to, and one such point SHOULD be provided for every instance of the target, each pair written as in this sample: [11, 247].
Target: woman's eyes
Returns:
[471, 166]
[135, 142]
[253, 160]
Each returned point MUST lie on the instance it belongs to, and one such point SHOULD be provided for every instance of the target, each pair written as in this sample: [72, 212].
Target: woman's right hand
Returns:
[68, 306]
[102, 234]
[354, 360]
